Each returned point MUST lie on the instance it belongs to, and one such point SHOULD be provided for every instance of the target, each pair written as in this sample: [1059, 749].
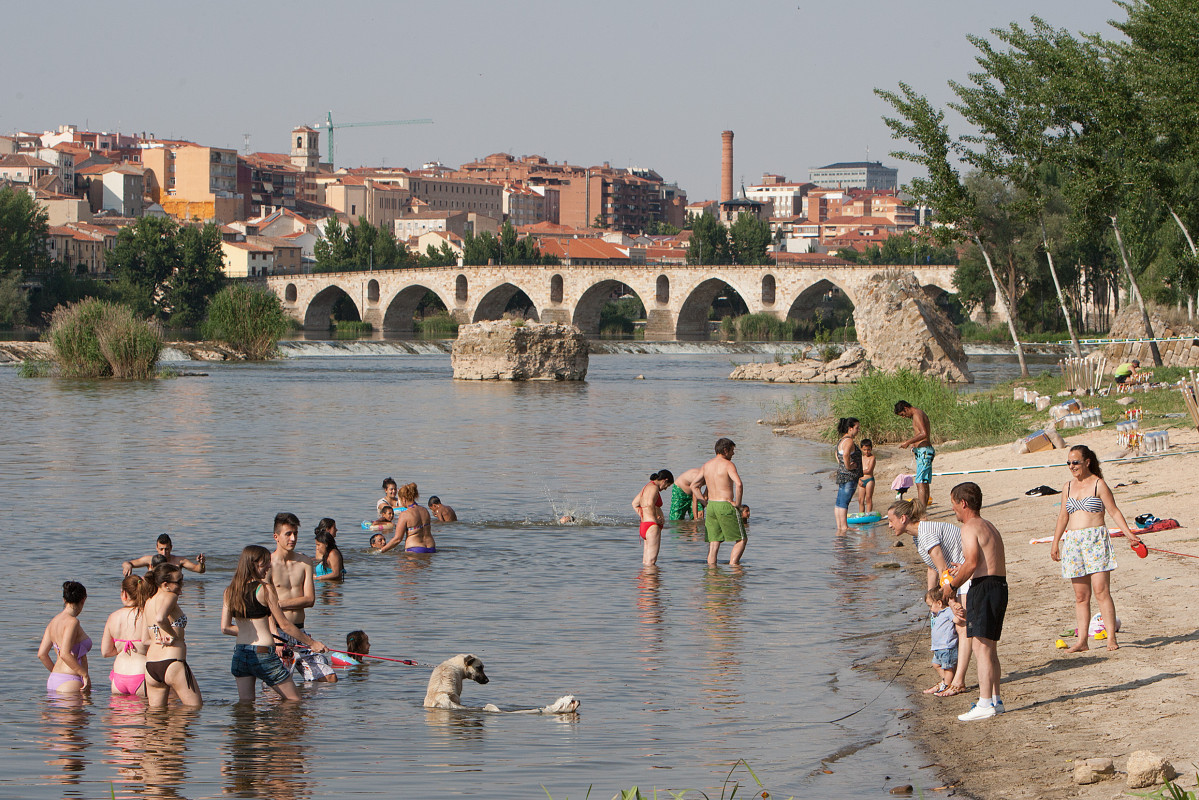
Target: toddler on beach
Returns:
[944, 639]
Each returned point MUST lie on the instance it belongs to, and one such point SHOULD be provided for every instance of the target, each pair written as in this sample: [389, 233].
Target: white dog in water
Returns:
[445, 688]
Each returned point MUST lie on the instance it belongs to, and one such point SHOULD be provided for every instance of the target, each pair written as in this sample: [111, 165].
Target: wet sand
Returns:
[1061, 706]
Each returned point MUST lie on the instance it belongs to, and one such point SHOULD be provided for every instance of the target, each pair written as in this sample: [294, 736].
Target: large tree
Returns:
[23, 234]
[709, 241]
[749, 238]
[199, 275]
[145, 256]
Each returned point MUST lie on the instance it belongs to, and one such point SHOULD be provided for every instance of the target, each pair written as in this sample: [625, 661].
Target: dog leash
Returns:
[916, 641]
[407, 661]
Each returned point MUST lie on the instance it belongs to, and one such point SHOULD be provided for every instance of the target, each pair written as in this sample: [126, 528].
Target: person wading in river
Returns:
[292, 576]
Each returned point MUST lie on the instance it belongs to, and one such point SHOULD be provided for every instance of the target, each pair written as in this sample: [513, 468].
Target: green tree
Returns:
[445, 257]
[144, 258]
[749, 239]
[199, 275]
[659, 228]
[709, 241]
[23, 234]
[14, 302]
[479, 250]
[332, 249]
[957, 208]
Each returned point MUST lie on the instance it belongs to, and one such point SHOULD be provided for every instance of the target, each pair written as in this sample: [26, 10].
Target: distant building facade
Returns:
[855, 175]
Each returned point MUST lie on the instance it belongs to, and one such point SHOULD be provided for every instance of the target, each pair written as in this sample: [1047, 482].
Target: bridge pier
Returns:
[558, 316]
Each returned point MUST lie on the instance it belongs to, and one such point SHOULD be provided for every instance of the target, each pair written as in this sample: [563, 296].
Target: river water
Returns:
[680, 673]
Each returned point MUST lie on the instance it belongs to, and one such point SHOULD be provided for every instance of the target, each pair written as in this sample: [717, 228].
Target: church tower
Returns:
[305, 148]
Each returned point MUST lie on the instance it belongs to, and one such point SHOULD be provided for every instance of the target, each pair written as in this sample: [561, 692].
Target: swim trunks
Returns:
[1087, 551]
[680, 503]
[421, 550]
[924, 463]
[866, 481]
[645, 526]
[258, 661]
[722, 522]
[311, 666]
[987, 607]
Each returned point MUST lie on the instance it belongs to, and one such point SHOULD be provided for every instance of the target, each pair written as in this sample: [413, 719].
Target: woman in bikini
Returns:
[1082, 544]
[251, 605]
[68, 672]
[648, 505]
[414, 528]
[123, 639]
[329, 564]
[163, 625]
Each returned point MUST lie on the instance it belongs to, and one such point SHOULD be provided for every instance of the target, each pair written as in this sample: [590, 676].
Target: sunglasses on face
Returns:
[1073, 463]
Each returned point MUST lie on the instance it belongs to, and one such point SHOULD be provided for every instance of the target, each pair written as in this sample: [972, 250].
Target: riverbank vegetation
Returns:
[98, 339]
[247, 319]
[1080, 157]
[958, 415]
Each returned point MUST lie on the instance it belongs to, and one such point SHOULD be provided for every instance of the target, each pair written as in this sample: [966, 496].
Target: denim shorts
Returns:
[845, 493]
[266, 667]
[946, 659]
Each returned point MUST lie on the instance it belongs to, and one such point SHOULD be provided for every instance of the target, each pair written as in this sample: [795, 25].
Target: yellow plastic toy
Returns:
[1101, 635]
[1061, 645]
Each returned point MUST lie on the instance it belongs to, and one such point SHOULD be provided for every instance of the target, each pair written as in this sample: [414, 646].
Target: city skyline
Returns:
[632, 85]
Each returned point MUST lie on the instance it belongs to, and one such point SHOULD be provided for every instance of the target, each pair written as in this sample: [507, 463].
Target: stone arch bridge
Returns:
[676, 298]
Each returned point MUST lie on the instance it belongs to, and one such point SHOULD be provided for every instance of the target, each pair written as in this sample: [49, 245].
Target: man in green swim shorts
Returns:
[722, 519]
[684, 500]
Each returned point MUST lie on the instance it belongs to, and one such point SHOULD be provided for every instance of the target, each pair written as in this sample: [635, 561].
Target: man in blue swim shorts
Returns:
[922, 447]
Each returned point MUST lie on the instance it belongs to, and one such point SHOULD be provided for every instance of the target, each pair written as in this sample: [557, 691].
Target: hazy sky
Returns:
[649, 83]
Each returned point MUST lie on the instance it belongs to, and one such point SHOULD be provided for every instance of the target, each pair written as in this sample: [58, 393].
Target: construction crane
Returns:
[330, 126]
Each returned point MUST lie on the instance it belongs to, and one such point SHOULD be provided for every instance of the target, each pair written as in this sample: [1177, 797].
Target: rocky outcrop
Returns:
[1146, 769]
[900, 327]
[1129, 324]
[847, 368]
[520, 351]
[15, 352]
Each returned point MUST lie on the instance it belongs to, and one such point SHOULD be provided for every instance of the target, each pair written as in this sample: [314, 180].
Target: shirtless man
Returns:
[440, 511]
[414, 530]
[922, 447]
[164, 549]
[722, 519]
[291, 575]
[985, 567]
[684, 499]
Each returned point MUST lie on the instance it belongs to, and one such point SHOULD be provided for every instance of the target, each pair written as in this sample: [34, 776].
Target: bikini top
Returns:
[126, 644]
[180, 622]
[255, 609]
[82, 648]
[1090, 504]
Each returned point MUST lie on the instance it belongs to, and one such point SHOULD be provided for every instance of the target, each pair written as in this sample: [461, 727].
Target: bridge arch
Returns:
[692, 321]
[495, 302]
[591, 303]
[319, 314]
[824, 303]
[399, 316]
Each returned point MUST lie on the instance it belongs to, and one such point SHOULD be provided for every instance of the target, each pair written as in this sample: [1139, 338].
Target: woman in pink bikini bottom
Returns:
[122, 639]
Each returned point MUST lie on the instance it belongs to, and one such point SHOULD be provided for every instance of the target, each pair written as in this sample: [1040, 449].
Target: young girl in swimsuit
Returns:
[68, 672]
[163, 624]
[250, 606]
[329, 565]
[648, 505]
[866, 484]
[123, 639]
[1081, 542]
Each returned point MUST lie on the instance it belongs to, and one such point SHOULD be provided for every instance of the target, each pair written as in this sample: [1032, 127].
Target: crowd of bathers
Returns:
[263, 608]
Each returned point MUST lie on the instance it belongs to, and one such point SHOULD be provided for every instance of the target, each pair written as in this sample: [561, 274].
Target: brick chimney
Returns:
[726, 167]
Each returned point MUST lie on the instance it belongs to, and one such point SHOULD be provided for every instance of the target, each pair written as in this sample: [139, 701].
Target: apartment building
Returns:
[24, 169]
[524, 205]
[192, 181]
[781, 198]
[80, 246]
[247, 260]
[118, 189]
[274, 182]
[380, 202]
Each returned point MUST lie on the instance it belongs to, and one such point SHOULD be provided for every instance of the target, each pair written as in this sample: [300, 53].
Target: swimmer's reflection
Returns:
[265, 756]
[65, 719]
[721, 621]
[410, 567]
[164, 750]
[849, 567]
[330, 595]
[650, 614]
[126, 731]
[690, 530]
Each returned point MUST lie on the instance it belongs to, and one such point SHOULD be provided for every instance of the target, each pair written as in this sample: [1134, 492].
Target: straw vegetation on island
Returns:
[98, 339]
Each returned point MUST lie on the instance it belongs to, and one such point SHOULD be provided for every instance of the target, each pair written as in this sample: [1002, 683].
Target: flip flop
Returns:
[940, 687]
[951, 691]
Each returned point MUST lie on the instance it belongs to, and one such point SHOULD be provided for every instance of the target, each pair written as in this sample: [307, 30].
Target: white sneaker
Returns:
[999, 709]
[976, 712]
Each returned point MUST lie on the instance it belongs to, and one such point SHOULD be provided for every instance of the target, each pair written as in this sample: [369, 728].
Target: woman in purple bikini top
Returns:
[64, 634]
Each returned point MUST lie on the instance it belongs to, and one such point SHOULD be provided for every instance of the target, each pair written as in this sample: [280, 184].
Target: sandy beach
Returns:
[1062, 707]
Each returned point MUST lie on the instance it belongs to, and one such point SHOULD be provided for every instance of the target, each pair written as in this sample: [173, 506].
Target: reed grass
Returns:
[35, 368]
[129, 344]
[248, 319]
[758, 328]
[440, 324]
[351, 328]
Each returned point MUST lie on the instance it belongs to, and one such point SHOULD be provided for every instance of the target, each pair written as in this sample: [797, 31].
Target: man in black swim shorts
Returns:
[985, 566]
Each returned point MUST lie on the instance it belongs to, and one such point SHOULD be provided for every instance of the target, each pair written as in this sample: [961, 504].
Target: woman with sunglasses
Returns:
[166, 657]
[1082, 544]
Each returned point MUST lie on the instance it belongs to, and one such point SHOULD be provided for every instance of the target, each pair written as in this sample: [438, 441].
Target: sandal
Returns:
[951, 691]
[940, 687]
